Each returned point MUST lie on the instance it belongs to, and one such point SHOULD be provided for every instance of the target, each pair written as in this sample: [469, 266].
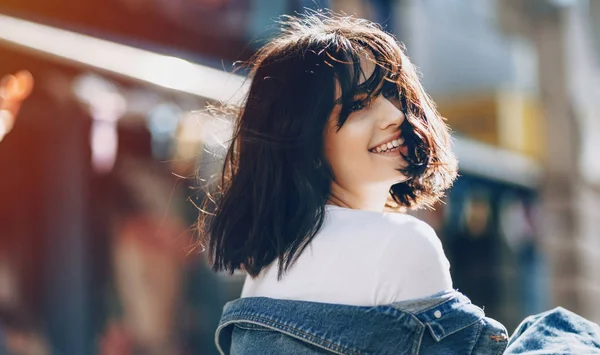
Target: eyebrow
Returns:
[364, 87]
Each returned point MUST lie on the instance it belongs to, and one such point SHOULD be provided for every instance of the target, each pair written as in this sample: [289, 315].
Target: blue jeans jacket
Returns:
[557, 331]
[446, 323]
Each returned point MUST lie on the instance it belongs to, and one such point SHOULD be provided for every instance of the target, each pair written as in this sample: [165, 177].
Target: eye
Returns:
[361, 102]
[358, 105]
[391, 92]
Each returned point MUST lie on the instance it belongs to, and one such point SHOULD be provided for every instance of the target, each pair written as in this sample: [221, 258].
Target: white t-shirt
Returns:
[362, 258]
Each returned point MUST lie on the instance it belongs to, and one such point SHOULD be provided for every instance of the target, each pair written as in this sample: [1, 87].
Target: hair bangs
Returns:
[353, 81]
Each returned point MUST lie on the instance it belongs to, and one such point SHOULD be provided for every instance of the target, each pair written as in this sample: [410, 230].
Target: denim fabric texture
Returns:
[557, 331]
[445, 323]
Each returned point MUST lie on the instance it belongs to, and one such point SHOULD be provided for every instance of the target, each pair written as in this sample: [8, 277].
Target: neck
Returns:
[370, 199]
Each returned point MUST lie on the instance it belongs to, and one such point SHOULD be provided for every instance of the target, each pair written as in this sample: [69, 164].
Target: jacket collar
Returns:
[352, 329]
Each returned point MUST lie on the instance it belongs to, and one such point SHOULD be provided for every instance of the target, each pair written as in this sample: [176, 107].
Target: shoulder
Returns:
[384, 226]
[415, 247]
[409, 222]
[416, 253]
[400, 233]
[411, 236]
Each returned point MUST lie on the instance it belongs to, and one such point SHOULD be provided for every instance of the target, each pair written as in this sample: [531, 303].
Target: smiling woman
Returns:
[323, 94]
[336, 127]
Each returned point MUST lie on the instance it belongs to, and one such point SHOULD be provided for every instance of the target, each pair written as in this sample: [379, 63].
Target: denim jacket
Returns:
[445, 323]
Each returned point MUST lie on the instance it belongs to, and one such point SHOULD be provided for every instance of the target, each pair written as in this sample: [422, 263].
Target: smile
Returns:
[388, 147]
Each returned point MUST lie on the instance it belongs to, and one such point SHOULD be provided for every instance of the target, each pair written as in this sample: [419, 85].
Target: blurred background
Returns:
[100, 180]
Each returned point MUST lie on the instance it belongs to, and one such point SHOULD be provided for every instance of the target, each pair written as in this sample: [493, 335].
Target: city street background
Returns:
[102, 176]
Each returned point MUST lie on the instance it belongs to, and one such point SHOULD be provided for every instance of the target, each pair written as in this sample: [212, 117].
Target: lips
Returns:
[395, 136]
[392, 144]
[395, 152]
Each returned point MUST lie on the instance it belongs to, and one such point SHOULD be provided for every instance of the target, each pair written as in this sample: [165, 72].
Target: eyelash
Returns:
[359, 105]
[390, 92]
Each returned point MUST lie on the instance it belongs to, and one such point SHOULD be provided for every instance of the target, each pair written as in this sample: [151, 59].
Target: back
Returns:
[361, 258]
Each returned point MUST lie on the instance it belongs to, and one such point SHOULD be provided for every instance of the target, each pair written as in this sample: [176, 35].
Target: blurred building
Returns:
[522, 77]
[565, 37]
[114, 102]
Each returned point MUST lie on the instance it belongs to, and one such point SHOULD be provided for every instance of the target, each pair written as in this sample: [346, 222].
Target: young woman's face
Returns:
[365, 152]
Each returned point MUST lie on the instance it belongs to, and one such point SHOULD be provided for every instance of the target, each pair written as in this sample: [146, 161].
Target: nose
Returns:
[391, 114]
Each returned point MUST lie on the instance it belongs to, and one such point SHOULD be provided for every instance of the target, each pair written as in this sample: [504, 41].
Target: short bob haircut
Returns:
[276, 181]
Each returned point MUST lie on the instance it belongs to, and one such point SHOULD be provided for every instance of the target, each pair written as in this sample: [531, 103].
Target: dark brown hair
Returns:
[275, 180]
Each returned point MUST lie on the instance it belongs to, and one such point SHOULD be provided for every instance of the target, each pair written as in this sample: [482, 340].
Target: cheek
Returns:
[347, 153]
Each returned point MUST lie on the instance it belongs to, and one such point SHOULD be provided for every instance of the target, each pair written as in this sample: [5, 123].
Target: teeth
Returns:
[393, 144]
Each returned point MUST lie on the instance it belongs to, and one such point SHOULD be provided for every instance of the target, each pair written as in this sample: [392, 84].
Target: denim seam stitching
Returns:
[216, 340]
[314, 340]
[259, 329]
[455, 330]
[418, 349]
[437, 305]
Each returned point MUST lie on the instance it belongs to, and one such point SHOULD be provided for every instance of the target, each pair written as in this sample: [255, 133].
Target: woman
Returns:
[336, 133]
